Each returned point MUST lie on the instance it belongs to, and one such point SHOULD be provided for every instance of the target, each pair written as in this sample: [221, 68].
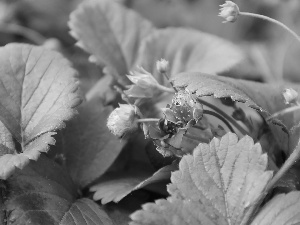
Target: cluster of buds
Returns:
[126, 118]
[177, 133]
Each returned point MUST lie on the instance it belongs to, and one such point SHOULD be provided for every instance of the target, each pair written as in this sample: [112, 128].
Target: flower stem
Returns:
[168, 79]
[284, 111]
[166, 75]
[147, 120]
[272, 21]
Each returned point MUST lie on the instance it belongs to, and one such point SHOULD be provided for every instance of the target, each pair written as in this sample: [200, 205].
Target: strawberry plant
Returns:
[166, 136]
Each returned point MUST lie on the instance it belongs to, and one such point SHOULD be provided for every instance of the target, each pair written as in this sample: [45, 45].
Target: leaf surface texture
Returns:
[110, 33]
[215, 185]
[188, 50]
[38, 92]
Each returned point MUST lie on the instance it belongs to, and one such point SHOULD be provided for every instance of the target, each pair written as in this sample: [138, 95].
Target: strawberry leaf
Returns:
[43, 193]
[38, 92]
[110, 33]
[282, 209]
[238, 90]
[89, 147]
[115, 186]
[215, 185]
[264, 98]
[188, 50]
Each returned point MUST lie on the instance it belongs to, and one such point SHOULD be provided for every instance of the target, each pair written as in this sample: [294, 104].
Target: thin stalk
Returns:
[284, 111]
[212, 113]
[272, 21]
[232, 121]
[168, 79]
[166, 75]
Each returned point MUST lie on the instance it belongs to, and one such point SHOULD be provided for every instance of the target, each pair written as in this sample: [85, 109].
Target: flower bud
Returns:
[229, 11]
[290, 95]
[123, 120]
[162, 66]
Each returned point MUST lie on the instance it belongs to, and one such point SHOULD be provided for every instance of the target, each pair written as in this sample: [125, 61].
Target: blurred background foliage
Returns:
[272, 54]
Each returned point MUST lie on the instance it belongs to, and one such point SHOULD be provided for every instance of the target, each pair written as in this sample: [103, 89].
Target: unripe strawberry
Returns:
[123, 120]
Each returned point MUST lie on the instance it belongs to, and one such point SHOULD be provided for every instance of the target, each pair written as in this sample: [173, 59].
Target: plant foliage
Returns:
[218, 139]
[218, 184]
[38, 93]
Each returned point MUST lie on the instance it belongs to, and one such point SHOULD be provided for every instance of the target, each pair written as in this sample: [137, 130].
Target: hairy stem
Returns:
[168, 79]
[272, 21]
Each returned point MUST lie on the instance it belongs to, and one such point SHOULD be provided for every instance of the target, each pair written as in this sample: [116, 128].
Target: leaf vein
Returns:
[39, 81]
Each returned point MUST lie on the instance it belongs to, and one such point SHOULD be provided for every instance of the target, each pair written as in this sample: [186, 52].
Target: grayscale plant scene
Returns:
[149, 112]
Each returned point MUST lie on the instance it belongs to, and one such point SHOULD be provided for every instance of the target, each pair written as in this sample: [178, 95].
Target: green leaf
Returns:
[215, 185]
[238, 90]
[38, 92]
[282, 209]
[110, 33]
[188, 50]
[115, 186]
[43, 193]
[264, 98]
[89, 147]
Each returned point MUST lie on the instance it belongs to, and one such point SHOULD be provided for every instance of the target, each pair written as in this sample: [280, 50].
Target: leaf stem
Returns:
[284, 111]
[272, 21]
[231, 120]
